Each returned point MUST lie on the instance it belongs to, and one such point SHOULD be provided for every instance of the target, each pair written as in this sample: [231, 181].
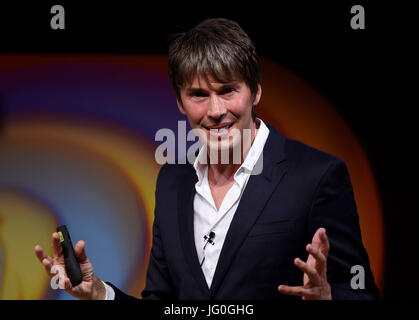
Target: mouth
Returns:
[219, 130]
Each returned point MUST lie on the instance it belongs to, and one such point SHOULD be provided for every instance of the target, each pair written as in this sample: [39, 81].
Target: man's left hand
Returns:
[315, 282]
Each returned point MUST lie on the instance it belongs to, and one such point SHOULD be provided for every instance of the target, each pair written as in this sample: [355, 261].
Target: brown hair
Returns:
[216, 48]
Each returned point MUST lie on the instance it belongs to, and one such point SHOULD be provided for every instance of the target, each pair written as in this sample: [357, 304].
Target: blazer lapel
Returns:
[186, 192]
[258, 191]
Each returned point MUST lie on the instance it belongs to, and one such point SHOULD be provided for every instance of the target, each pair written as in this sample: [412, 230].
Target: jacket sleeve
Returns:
[158, 282]
[334, 208]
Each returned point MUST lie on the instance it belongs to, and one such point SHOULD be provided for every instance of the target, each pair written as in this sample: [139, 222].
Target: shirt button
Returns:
[211, 266]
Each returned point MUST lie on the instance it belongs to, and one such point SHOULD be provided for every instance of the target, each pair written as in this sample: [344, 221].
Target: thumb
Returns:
[79, 251]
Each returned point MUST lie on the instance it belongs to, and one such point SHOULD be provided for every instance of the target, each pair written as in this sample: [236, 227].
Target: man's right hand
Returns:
[91, 288]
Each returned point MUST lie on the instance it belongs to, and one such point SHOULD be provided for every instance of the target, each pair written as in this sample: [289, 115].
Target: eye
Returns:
[198, 94]
[227, 91]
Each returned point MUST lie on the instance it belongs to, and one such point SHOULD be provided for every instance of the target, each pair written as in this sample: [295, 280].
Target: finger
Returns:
[298, 291]
[47, 265]
[56, 245]
[67, 284]
[79, 251]
[321, 241]
[318, 256]
[311, 272]
[40, 254]
[325, 243]
[316, 238]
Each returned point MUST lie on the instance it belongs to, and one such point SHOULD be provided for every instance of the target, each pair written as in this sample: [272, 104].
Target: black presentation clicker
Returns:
[72, 266]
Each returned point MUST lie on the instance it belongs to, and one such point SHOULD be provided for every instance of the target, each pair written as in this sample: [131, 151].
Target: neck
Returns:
[221, 173]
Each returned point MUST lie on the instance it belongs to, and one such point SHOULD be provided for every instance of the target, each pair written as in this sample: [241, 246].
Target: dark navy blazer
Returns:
[299, 190]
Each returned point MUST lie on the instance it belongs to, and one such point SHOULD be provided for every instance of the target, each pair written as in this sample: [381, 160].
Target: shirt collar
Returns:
[249, 162]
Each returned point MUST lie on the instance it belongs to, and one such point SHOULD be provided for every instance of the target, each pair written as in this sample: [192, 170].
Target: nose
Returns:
[216, 108]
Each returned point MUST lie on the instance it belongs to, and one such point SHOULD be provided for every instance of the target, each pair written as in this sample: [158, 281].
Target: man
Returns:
[279, 222]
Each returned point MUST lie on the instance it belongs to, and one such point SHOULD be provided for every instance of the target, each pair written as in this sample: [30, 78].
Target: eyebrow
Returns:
[221, 88]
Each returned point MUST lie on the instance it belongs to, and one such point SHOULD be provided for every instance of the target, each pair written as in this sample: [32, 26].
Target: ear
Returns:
[258, 95]
[180, 107]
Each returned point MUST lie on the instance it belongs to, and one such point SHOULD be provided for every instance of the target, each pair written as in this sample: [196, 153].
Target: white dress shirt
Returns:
[206, 216]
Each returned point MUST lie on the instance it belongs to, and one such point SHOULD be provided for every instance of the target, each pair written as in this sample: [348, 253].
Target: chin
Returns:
[225, 148]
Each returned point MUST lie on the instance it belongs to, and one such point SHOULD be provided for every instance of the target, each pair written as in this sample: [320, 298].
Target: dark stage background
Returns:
[370, 76]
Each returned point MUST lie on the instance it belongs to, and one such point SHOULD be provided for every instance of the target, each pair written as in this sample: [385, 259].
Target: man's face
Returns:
[219, 110]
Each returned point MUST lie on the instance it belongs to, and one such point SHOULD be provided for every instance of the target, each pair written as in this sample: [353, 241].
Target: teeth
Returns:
[220, 130]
